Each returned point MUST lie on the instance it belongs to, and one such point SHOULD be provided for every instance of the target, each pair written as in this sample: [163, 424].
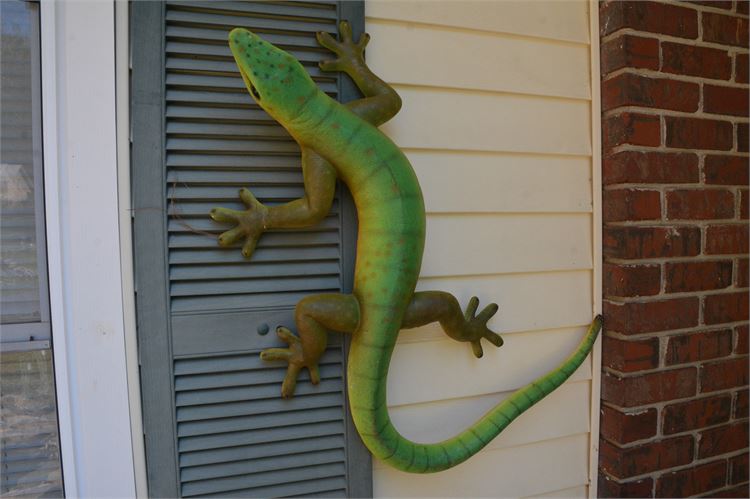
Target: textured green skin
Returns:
[389, 252]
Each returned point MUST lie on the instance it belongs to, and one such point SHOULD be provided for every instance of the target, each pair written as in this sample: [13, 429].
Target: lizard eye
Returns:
[254, 91]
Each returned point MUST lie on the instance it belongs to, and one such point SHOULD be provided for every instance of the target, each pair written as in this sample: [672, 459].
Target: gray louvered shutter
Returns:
[215, 423]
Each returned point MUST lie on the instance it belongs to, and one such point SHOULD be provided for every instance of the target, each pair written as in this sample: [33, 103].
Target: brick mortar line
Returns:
[662, 75]
[663, 403]
[682, 467]
[682, 222]
[698, 364]
[663, 343]
[668, 113]
[735, 137]
[738, 201]
[677, 259]
[661, 437]
[703, 293]
[663, 37]
[660, 336]
[674, 367]
[692, 433]
[671, 332]
[724, 488]
[697, 462]
[694, 186]
[655, 475]
[646, 149]
[664, 189]
[707, 8]
[637, 148]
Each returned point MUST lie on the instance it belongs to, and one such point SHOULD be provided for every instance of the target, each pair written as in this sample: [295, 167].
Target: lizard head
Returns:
[275, 79]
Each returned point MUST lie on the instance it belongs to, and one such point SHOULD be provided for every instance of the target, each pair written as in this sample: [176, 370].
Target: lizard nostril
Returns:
[254, 91]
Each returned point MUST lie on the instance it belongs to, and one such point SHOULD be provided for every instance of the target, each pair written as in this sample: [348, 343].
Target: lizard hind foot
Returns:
[476, 326]
[294, 356]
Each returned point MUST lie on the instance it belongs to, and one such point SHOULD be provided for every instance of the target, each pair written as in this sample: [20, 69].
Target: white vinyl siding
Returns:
[496, 120]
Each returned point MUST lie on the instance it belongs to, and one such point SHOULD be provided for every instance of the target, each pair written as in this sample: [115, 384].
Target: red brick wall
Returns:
[674, 420]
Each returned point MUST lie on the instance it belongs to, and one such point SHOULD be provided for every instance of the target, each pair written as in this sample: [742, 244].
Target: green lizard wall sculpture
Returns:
[342, 141]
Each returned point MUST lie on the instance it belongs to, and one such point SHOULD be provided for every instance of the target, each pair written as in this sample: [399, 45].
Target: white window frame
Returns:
[34, 335]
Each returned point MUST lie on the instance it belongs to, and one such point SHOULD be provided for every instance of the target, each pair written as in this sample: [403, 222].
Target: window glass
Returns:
[28, 426]
[21, 299]
[29, 443]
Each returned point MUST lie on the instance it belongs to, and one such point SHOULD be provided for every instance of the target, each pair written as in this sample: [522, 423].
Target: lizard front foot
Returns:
[251, 223]
[475, 327]
[295, 357]
[350, 54]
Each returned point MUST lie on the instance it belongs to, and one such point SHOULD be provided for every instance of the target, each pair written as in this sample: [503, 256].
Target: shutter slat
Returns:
[260, 406]
[248, 286]
[233, 162]
[288, 477]
[258, 270]
[259, 467]
[208, 35]
[222, 52]
[273, 240]
[201, 209]
[258, 437]
[233, 302]
[241, 362]
[298, 489]
[213, 193]
[260, 255]
[233, 178]
[324, 11]
[228, 22]
[255, 377]
[217, 396]
[258, 422]
[245, 113]
[241, 146]
[259, 451]
[227, 130]
[229, 68]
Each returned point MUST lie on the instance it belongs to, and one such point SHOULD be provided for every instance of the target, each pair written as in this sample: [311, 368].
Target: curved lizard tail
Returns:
[389, 446]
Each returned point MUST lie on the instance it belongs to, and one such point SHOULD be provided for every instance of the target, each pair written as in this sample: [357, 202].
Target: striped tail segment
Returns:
[389, 446]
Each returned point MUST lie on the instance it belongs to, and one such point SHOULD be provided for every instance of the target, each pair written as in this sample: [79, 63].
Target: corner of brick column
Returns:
[674, 90]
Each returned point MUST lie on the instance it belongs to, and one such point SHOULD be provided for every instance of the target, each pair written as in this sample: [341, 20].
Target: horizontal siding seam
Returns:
[460, 29]
[474, 90]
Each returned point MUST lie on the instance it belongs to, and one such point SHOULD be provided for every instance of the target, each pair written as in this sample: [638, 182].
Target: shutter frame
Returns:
[150, 171]
[149, 245]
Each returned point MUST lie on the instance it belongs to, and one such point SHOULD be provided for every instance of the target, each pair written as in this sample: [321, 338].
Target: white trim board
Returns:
[83, 243]
[596, 196]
